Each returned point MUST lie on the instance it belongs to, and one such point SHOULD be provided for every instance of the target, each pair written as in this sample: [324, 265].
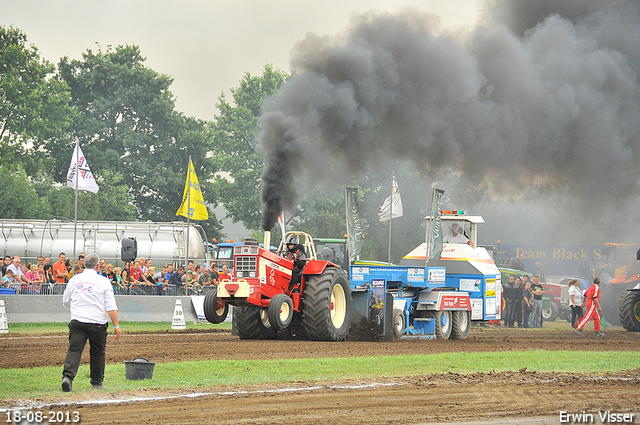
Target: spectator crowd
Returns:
[523, 302]
[138, 277]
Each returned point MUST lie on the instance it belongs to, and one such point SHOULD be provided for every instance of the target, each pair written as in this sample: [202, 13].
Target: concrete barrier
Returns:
[131, 308]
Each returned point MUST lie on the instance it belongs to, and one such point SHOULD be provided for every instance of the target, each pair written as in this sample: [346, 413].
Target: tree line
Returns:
[137, 144]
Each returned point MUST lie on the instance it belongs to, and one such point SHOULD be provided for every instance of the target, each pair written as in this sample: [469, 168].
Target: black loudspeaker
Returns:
[129, 250]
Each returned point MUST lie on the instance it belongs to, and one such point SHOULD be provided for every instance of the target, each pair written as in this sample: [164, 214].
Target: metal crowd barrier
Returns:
[58, 289]
[38, 288]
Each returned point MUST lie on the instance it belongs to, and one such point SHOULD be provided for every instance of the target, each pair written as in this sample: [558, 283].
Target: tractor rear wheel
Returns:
[443, 324]
[327, 305]
[280, 311]
[399, 324]
[460, 324]
[252, 323]
[215, 311]
[629, 311]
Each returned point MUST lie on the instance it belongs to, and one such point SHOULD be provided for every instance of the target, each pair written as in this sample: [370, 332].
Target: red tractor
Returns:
[318, 303]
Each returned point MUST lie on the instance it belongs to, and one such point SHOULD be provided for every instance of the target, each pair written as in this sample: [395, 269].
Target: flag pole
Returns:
[391, 214]
[427, 236]
[188, 208]
[346, 217]
[75, 220]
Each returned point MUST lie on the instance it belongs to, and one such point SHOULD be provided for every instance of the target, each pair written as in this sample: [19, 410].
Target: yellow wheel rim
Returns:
[338, 306]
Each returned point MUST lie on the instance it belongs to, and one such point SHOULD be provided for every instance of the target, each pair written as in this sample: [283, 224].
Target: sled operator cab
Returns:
[438, 298]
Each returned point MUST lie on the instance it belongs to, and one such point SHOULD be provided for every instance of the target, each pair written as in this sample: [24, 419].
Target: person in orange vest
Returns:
[593, 308]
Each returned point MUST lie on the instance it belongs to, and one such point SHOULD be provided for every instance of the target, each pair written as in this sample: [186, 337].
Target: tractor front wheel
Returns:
[280, 311]
[215, 310]
[327, 305]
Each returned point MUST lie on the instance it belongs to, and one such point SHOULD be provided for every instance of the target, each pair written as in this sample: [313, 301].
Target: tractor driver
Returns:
[295, 252]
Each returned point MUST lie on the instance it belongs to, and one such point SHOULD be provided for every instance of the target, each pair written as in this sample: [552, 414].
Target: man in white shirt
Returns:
[92, 303]
[456, 237]
[16, 268]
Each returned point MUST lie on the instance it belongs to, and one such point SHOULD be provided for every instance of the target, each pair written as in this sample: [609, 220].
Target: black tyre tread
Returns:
[317, 306]
[609, 300]
[398, 315]
[456, 331]
[210, 307]
[625, 311]
[274, 315]
[249, 323]
[439, 333]
[555, 311]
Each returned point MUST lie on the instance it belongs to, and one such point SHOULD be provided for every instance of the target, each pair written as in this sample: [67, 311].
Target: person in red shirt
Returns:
[593, 309]
[225, 273]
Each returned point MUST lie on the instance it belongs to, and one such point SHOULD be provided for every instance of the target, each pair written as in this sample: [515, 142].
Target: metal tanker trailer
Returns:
[161, 242]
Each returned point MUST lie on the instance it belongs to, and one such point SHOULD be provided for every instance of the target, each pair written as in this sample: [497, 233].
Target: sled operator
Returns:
[455, 236]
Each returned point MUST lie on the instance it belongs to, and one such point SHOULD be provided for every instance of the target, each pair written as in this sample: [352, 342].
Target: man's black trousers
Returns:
[79, 333]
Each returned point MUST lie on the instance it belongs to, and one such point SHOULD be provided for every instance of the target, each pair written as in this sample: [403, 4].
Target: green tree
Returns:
[112, 202]
[236, 152]
[34, 106]
[128, 124]
[19, 199]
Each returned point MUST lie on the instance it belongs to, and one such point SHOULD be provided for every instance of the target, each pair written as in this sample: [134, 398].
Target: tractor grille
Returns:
[246, 266]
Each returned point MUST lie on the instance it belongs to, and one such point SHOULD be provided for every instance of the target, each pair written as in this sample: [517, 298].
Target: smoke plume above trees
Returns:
[540, 96]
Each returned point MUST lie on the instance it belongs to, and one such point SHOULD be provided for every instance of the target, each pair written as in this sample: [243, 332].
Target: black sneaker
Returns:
[66, 384]
[97, 387]
[599, 333]
[579, 332]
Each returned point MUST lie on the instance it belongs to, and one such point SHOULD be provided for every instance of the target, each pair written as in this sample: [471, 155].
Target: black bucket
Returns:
[139, 369]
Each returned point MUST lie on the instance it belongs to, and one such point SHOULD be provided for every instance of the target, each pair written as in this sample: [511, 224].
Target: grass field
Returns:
[42, 381]
[21, 383]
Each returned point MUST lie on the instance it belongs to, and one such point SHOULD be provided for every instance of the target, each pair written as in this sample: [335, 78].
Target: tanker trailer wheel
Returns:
[327, 306]
[215, 311]
[460, 324]
[399, 324]
[253, 323]
[443, 324]
[629, 311]
[280, 311]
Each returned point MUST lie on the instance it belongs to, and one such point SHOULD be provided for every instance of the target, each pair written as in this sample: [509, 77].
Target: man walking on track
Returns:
[593, 308]
[90, 296]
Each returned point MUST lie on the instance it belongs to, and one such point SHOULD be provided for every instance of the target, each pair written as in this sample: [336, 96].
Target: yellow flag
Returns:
[193, 206]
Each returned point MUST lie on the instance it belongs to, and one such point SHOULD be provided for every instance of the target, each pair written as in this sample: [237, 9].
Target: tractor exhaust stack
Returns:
[267, 239]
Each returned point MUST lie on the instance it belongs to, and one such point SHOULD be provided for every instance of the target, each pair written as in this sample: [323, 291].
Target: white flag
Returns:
[86, 180]
[386, 208]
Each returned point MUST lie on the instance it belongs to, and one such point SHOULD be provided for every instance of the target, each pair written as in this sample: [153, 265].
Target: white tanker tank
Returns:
[161, 242]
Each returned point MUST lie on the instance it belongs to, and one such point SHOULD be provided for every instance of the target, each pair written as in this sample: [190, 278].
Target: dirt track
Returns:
[425, 399]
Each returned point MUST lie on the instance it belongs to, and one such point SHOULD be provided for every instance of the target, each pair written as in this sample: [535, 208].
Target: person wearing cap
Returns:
[295, 252]
[455, 236]
[90, 297]
[593, 309]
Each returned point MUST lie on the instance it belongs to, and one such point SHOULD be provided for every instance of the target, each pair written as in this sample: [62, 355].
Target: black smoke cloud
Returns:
[544, 98]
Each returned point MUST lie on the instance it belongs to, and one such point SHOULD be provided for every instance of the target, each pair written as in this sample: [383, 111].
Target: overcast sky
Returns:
[206, 46]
